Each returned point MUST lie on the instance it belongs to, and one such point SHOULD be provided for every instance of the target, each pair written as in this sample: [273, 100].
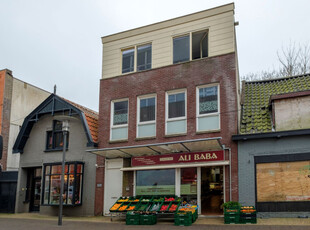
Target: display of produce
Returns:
[123, 199]
[145, 200]
[247, 209]
[161, 199]
[173, 208]
[164, 207]
[115, 207]
[155, 207]
[133, 200]
[123, 208]
[169, 199]
[130, 208]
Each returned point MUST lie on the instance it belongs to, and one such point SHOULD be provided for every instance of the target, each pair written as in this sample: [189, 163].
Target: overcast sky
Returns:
[58, 41]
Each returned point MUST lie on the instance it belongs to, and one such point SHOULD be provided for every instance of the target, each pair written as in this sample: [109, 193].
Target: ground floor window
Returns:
[283, 181]
[73, 182]
[189, 184]
[155, 182]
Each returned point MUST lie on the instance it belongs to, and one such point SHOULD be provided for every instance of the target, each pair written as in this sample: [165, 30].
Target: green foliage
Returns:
[231, 204]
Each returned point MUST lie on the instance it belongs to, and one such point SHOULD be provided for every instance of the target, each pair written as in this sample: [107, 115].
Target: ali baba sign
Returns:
[178, 158]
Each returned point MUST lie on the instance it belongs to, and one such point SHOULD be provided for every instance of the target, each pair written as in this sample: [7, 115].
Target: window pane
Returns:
[119, 133]
[79, 168]
[181, 49]
[178, 126]
[70, 189]
[58, 126]
[49, 144]
[56, 169]
[189, 184]
[208, 100]
[147, 109]
[200, 45]
[209, 123]
[46, 189]
[58, 139]
[78, 189]
[144, 57]
[146, 130]
[55, 189]
[153, 182]
[120, 113]
[128, 61]
[176, 105]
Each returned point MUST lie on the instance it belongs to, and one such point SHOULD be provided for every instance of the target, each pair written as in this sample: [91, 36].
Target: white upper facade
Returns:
[218, 23]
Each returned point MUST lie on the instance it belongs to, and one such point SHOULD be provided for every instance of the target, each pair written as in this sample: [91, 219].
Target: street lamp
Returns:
[65, 130]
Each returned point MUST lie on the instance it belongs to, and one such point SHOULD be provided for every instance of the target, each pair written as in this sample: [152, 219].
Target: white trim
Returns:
[188, 165]
[218, 113]
[112, 117]
[199, 189]
[138, 114]
[167, 107]
[134, 183]
[135, 48]
[177, 182]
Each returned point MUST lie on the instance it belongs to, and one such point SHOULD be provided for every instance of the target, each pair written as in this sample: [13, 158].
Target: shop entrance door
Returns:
[212, 190]
[35, 189]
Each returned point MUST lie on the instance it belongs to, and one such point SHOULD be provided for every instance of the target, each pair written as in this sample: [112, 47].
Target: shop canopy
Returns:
[186, 146]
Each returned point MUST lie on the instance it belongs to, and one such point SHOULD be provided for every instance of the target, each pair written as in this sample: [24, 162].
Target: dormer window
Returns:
[142, 55]
[183, 51]
[54, 140]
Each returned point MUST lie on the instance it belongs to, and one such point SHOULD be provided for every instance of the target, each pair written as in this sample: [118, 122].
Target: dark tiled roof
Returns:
[255, 115]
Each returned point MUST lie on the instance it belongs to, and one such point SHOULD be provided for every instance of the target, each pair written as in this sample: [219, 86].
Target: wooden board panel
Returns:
[283, 181]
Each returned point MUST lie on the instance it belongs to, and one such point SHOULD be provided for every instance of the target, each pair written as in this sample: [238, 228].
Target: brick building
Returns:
[168, 108]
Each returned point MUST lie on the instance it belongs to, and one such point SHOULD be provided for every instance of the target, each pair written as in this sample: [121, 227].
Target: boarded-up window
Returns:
[283, 181]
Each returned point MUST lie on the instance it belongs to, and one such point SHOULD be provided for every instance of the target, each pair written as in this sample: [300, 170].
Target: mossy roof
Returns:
[256, 116]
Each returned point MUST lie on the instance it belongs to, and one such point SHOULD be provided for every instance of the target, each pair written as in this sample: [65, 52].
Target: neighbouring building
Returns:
[168, 108]
[17, 100]
[274, 146]
[40, 142]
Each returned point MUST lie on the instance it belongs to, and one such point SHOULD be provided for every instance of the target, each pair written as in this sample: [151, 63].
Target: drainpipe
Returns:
[229, 151]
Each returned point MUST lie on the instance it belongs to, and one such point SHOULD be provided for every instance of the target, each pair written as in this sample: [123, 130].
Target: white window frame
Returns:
[176, 118]
[112, 118]
[190, 43]
[138, 114]
[135, 64]
[218, 113]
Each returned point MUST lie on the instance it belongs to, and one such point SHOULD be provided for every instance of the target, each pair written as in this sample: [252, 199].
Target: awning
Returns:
[196, 145]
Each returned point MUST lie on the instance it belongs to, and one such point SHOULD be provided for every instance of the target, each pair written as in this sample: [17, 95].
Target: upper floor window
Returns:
[119, 119]
[128, 60]
[146, 116]
[176, 112]
[54, 140]
[144, 58]
[208, 108]
[142, 55]
[182, 51]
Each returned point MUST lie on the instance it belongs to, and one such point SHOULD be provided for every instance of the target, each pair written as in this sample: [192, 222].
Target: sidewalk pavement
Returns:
[200, 220]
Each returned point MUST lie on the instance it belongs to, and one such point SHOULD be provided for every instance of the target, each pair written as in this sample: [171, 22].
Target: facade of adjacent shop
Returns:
[273, 147]
[41, 142]
[17, 100]
[158, 101]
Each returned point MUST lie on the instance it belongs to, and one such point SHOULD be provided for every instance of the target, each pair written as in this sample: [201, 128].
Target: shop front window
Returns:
[72, 184]
[155, 182]
[189, 184]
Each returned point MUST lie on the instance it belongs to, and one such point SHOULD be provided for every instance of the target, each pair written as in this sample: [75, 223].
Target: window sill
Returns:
[209, 131]
[118, 141]
[55, 150]
[176, 135]
[145, 138]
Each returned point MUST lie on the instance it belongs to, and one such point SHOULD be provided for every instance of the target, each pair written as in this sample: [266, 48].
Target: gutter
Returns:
[280, 134]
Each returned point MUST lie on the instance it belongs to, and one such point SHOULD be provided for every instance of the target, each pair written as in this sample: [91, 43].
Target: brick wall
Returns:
[189, 75]
[6, 88]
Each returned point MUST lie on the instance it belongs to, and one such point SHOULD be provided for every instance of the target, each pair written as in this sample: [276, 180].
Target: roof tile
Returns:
[256, 117]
